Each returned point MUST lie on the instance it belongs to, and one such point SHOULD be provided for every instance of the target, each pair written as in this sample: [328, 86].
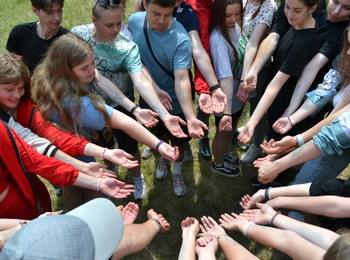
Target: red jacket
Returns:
[21, 164]
[28, 116]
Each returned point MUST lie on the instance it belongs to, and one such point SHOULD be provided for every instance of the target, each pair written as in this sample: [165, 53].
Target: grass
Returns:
[207, 194]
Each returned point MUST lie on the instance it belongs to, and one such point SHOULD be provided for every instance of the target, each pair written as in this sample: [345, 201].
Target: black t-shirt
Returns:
[295, 49]
[24, 41]
[336, 187]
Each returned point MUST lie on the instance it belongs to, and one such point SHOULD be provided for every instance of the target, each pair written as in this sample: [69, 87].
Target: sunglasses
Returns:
[105, 3]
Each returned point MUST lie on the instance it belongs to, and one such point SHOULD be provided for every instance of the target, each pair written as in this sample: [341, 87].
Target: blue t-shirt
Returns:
[172, 48]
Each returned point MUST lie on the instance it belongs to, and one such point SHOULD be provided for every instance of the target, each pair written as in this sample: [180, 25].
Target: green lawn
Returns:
[207, 194]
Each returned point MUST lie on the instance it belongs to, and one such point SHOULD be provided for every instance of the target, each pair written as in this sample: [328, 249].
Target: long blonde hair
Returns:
[57, 90]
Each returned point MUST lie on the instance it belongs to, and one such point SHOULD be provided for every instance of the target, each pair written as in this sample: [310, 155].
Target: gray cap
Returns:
[91, 231]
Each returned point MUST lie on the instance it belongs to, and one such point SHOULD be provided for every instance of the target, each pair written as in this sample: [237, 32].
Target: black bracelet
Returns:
[226, 115]
[215, 87]
[133, 109]
[290, 121]
[267, 195]
[241, 80]
[273, 218]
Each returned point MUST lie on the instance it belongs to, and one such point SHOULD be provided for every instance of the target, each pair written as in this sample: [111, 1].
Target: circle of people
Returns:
[66, 97]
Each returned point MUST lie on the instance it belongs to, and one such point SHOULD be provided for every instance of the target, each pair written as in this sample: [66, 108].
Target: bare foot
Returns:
[159, 219]
[129, 212]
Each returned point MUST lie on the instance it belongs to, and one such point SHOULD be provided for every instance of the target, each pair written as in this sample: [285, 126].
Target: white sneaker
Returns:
[162, 168]
[140, 187]
[179, 184]
[147, 152]
[252, 153]
[188, 156]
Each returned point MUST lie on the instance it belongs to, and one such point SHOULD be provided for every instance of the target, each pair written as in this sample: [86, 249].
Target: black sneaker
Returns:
[255, 183]
[204, 148]
[225, 169]
[231, 159]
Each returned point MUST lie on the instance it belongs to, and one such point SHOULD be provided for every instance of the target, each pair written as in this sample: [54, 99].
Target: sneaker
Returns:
[162, 168]
[204, 148]
[140, 187]
[179, 184]
[188, 156]
[252, 153]
[231, 159]
[59, 192]
[225, 169]
[255, 183]
[147, 152]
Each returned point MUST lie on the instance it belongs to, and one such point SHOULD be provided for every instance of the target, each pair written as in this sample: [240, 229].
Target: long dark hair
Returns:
[343, 66]
[218, 21]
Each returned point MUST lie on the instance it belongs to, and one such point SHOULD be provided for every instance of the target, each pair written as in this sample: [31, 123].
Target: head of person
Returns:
[62, 76]
[340, 249]
[107, 17]
[226, 14]
[299, 12]
[338, 10]
[14, 81]
[91, 231]
[159, 14]
[344, 66]
[49, 12]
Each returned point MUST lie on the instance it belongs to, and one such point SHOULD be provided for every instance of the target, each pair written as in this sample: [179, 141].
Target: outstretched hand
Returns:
[129, 212]
[147, 117]
[285, 144]
[165, 98]
[246, 134]
[98, 170]
[168, 152]
[190, 227]
[249, 202]
[172, 123]
[225, 124]
[232, 221]
[219, 101]
[261, 216]
[242, 94]
[195, 128]
[210, 227]
[115, 188]
[205, 103]
[282, 125]
[120, 157]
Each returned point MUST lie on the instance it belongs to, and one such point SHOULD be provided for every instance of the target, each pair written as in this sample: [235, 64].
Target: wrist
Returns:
[134, 109]
[299, 140]
[214, 88]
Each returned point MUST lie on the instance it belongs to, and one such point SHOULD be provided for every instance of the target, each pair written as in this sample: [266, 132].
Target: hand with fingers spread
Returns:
[210, 227]
[205, 103]
[129, 212]
[232, 221]
[219, 100]
[190, 229]
[120, 157]
[173, 124]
